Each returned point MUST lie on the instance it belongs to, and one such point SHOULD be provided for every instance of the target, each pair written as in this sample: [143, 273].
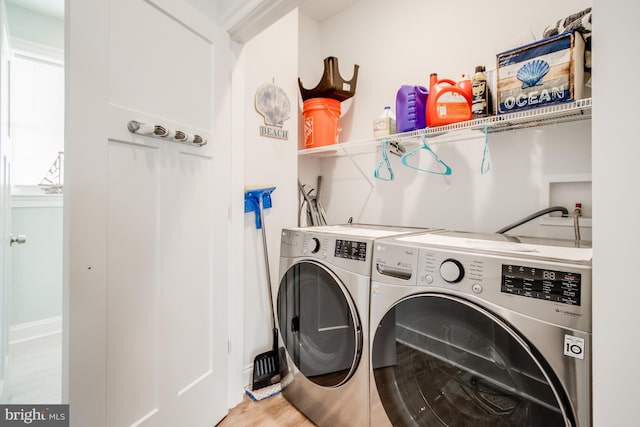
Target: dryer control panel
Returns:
[351, 249]
[349, 252]
[327, 246]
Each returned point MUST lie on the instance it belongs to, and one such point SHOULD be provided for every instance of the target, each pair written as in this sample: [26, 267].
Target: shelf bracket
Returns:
[365, 176]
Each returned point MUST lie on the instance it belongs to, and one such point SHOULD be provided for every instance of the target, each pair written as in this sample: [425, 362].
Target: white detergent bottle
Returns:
[385, 124]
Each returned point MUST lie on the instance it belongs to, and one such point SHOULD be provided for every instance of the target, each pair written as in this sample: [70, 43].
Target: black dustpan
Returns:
[266, 366]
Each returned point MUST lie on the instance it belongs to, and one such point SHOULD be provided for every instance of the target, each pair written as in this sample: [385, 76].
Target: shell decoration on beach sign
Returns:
[273, 104]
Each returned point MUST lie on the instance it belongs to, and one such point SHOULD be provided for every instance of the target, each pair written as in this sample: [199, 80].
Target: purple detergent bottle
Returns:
[411, 103]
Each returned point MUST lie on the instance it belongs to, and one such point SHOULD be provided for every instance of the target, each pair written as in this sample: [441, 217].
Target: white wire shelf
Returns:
[561, 113]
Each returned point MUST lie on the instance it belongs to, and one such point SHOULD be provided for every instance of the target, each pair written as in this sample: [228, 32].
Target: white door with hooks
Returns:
[146, 218]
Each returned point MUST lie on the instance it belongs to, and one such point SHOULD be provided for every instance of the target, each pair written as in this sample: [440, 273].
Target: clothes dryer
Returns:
[480, 330]
[323, 314]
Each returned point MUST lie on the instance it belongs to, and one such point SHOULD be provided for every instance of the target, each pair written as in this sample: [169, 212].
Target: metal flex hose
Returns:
[533, 216]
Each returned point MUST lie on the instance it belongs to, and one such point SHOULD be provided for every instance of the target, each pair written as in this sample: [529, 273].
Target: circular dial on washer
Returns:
[314, 245]
[451, 270]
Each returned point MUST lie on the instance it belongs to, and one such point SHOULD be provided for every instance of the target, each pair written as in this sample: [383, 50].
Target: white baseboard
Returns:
[247, 374]
[34, 330]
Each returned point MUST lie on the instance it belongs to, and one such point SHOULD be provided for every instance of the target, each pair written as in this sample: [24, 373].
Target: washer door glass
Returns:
[319, 324]
[441, 361]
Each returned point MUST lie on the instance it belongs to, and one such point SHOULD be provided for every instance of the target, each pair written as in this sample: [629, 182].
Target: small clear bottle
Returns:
[387, 113]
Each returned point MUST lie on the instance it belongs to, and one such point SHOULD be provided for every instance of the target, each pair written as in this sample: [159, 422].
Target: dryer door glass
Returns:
[319, 324]
[441, 361]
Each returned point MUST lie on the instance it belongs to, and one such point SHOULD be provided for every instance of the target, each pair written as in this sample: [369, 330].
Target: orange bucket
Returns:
[321, 122]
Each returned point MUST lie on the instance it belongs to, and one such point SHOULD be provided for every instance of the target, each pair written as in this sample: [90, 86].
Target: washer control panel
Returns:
[546, 289]
[542, 283]
[553, 290]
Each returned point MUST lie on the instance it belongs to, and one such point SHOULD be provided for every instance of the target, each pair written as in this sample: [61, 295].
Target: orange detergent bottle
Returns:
[448, 101]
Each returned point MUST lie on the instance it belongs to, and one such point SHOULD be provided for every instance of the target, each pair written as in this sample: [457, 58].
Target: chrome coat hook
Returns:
[162, 132]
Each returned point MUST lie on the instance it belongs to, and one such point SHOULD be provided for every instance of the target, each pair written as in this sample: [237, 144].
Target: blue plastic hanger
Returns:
[425, 146]
[486, 156]
[384, 162]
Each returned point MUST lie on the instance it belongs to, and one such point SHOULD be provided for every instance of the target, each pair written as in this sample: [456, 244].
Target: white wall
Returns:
[615, 194]
[404, 44]
[268, 58]
[310, 66]
[36, 285]
[34, 27]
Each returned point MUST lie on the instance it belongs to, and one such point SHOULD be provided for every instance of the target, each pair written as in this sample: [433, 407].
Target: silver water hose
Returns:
[535, 215]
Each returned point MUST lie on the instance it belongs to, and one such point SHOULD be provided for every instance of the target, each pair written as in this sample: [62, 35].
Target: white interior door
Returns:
[146, 219]
[5, 208]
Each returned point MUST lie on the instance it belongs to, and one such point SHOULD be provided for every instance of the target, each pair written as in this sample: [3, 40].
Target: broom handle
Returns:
[266, 263]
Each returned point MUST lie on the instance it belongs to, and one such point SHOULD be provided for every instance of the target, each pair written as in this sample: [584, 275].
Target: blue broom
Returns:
[266, 366]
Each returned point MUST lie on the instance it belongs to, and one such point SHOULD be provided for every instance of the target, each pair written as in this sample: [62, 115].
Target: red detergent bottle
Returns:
[448, 101]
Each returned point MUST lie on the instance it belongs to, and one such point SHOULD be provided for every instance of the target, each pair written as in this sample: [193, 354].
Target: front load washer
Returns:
[323, 315]
[480, 330]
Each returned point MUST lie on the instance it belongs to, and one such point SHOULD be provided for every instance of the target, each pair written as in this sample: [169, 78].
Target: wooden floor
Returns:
[35, 376]
[35, 371]
[274, 411]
